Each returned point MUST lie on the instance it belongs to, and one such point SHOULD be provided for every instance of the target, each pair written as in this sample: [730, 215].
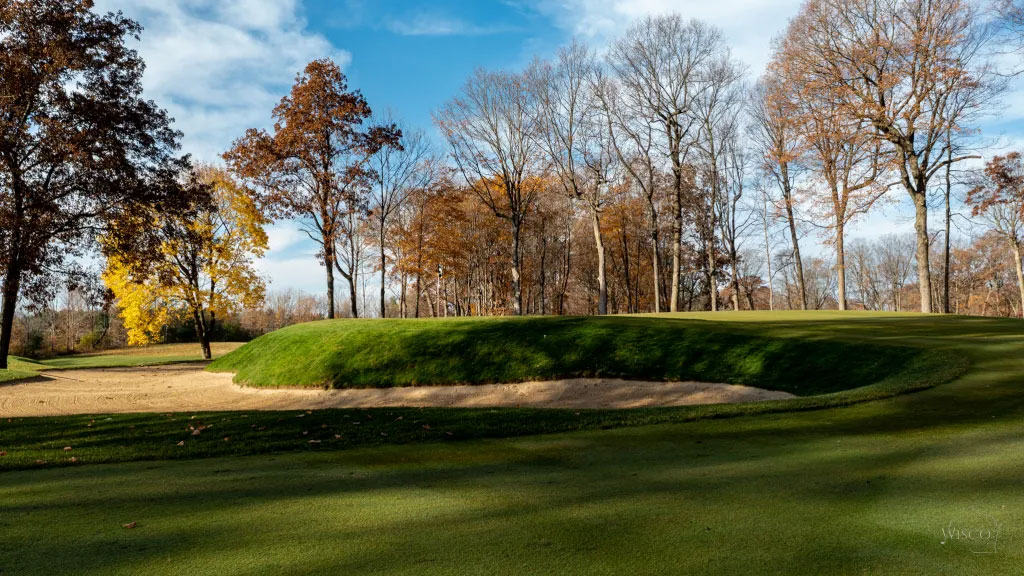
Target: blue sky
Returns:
[219, 66]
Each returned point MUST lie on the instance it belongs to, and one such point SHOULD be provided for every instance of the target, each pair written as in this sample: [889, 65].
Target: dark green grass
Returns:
[861, 489]
[383, 353]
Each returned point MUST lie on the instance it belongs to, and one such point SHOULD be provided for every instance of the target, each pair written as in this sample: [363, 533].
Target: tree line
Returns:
[653, 175]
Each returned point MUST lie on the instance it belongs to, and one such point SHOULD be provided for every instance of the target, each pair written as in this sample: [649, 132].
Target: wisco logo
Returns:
[975, 530]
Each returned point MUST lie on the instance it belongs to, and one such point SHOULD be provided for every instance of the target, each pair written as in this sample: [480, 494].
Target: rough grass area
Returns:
[156, 354]
[384, 353]
[871, 488]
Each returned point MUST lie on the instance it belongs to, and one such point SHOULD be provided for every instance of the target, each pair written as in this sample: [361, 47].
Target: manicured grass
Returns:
[135, 356]
[383, 353]
[862, 489]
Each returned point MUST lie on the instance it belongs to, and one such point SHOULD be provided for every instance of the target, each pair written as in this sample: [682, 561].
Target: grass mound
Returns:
[385, 353]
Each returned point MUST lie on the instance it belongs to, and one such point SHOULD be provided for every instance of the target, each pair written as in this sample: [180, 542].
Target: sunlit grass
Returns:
[155, 354]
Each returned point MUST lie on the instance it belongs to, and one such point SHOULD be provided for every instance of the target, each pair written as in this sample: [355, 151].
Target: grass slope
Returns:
[384, 353]
[865, 489]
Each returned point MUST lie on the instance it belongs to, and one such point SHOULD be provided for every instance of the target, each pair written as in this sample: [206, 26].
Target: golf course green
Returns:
[901, 455]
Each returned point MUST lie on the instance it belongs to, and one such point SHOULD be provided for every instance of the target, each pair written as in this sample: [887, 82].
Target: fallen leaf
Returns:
[383, 433]
[196, 432]
[73, 459]
[314, 441]
[182, 443]
[130, 525]
[40, 461]
[305, 432]
[227, 439]
[426, 426]
[336, 436]
[67, 448]
[3, 453]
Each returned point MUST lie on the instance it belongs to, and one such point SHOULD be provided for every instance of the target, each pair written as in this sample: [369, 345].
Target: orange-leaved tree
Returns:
[315, 165]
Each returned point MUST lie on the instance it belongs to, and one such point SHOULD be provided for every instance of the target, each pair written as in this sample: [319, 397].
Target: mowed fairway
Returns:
[870, 488]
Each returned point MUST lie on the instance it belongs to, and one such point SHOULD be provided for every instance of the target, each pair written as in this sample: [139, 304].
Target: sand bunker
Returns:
[186, 388]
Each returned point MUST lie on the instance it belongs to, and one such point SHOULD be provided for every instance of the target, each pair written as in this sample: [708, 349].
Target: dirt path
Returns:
[186, 388]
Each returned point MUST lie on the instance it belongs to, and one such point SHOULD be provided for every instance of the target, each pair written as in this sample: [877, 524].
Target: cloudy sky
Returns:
[219, 66]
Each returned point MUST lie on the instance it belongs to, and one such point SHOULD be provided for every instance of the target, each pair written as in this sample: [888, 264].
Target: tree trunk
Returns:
[656, 254]
[924, 280]
[768, 258]
[517, 287]
[735, 281]
[602, 285]
[329, 264]
[403, 306]
[419, 293]
[202, 333]
[945, 251]
[841, 265]
[543, 265]
[12, 283]
[352, 283]
[677, 240]
[625, 271]
[797, 262]
[1020, 273]
[383, 274]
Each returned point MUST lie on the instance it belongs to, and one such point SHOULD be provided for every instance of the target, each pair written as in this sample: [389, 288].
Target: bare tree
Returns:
[397, 172]
[491, 129]
[733, 217]
[775, 134]
[575, 138]
[632, 136]
[717, 109]
[663, 64]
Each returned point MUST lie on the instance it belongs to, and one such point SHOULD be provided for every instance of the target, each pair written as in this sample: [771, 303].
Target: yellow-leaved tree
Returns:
[202, 264]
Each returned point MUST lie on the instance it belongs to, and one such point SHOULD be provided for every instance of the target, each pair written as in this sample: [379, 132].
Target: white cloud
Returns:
[284, 235]
[302, 272]
[220, 66]
[749, 25]
[434, 25]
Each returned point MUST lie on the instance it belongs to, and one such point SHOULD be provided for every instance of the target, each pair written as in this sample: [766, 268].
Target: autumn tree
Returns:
[999, 199]
[203, 266]
[899, 65]
[847, 166]
[315, 165]
[491, 129]
[79, 145]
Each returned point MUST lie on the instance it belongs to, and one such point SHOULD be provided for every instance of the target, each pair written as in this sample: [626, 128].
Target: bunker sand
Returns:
[187, 388]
